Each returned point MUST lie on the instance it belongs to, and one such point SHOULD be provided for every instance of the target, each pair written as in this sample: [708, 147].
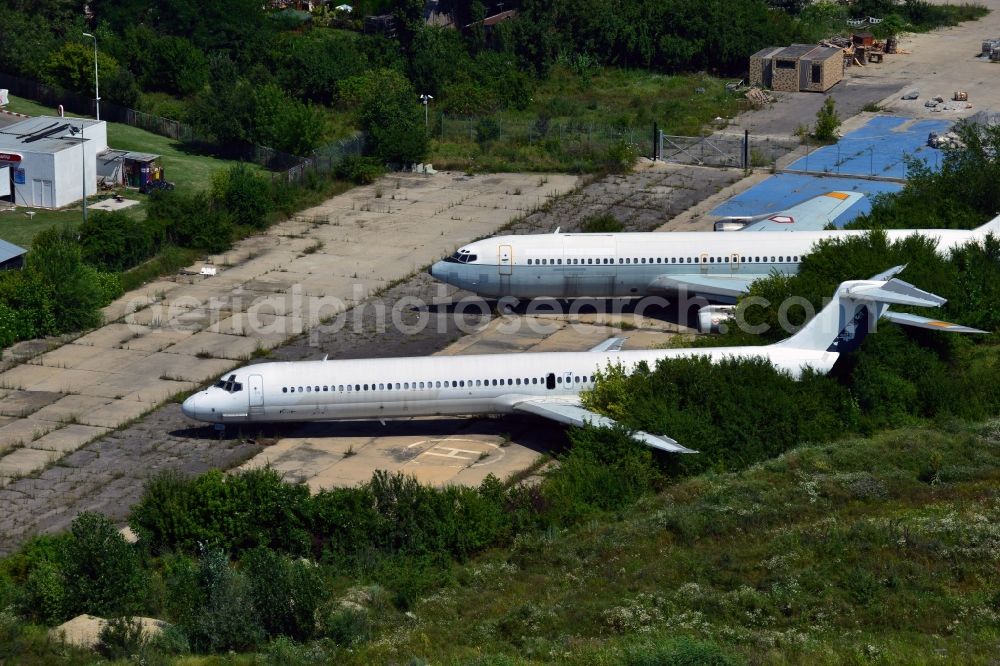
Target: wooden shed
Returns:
[799, 67]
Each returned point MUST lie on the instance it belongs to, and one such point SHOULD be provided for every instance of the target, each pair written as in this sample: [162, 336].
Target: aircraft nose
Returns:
[190, 407]
[435, 269]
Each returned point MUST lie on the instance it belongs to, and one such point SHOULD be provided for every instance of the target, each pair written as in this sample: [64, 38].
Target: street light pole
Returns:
[425, 98]
[83, 170]
[97, 90]
[83, 165]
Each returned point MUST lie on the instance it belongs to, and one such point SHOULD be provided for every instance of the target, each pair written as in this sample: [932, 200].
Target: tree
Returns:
[102, 571]
[391, 116]
[113, 241]
[438, 57]
[285, 123]
[72, 67]
[310, 66]
[177, 66]
[827, 121]
[244, 194]
[56, 260]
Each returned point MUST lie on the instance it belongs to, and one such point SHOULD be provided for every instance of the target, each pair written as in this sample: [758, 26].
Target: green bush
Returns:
[191, 220]
[603, 470]
[236, 512]
[358, 169]
[285, 594]
[347, 626]
[227, 619]
[827, 121]
[601, 223]
[113, 241]
[72, 292]
[244, 195]
[120, 638]
[102, 572]
[718, 410]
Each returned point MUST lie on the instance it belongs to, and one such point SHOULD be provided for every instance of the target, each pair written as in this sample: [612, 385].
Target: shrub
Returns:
[113, 241]
[358, 169]
[120, 638]
[620, 156]
[226, 620]
[244, 194]
[601, 223]
[191, 220]
[347, 626]
[827, 121]
[605, 469]
[235, 512]
[102, 572]
[285, 594]
[71, 287]
[44, 596]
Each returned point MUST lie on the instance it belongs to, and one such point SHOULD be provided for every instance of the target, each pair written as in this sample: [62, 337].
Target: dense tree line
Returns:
[239, 75]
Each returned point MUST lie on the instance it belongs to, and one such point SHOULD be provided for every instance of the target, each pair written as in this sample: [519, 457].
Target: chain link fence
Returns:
[495, 128]
[725, 150]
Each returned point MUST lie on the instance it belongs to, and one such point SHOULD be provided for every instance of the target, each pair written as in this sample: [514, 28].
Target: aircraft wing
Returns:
[810, 215]
[907, 319]
[571, 413]
[611, 344]
[712, 287]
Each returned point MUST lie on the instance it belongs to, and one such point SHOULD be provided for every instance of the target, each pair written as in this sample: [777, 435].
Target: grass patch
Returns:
[170, 260]
[866, 550]
[186, 169]
[573, 120]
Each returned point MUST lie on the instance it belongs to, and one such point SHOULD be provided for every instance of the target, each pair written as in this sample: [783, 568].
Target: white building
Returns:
[45, 161]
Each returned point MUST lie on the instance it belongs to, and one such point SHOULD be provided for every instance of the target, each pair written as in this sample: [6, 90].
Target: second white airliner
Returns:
[544, 384]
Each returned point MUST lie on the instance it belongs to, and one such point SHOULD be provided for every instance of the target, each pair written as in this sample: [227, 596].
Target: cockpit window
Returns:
[462, 257]
[229, 385]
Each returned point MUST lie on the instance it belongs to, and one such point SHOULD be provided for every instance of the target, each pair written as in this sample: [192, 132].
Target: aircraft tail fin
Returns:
[855, 308]
[991, 227]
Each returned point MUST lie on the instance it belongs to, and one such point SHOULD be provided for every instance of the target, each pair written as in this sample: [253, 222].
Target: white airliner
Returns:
[715, 266]
[544, 384]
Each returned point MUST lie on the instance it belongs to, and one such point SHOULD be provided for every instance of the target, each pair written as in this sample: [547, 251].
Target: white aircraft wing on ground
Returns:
[571, 413]
[713, 287]
[811, 215]
[611, 344]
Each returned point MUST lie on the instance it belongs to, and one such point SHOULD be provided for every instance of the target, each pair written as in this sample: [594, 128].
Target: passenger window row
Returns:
[414, 386]
[666, 260]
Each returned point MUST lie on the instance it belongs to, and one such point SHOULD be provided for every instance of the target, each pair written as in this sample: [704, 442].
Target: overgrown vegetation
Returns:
[71, 273]
[242, 73]
[827, 122]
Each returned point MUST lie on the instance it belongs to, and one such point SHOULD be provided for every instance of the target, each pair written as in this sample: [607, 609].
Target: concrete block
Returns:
[21, 462]
[68, 439]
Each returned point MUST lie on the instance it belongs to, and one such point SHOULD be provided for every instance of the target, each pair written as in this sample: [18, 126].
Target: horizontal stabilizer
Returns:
[573, 414]
[611, 344]
[907, 319]
[712, 287]
[895, 292]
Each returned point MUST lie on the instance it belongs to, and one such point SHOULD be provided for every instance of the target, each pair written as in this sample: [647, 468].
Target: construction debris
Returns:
[960, 96]
[946, 140]
[758, 98]
[913, 94]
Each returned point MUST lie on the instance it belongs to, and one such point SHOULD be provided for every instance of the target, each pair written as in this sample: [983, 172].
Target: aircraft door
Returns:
[734, 263]
[567, 380]
[703, 260]
[506, 259]
[256, 394]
